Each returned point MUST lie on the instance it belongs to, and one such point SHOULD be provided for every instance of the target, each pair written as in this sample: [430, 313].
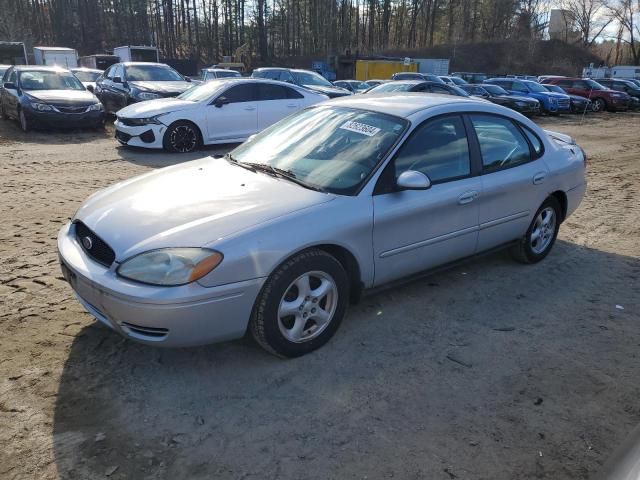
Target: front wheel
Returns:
[301, 305]
[181, 137]
[541, 235]
[599, 105]
[24, 123]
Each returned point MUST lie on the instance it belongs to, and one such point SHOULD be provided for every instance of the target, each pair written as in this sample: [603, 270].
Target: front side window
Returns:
[438, 148]
[519, 87]
[245, 92]
[310, 78]
[502, 145]
[331, 148]
[439, 89]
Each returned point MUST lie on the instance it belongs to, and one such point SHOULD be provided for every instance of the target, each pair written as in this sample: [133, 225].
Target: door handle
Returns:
[467, 197]
[538, 178]
[292, 105]
[249, 109]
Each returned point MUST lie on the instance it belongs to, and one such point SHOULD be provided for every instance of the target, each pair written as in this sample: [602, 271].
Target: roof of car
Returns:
[400, 104]
[39, 68]
[85, 69]
[214, 69]
[137, 64]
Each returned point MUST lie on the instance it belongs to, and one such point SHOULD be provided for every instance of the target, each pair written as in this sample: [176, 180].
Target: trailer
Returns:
[435, 66]
[626, 71]
[98, 61]
[13, 53]
[60, 56]
[139, 53]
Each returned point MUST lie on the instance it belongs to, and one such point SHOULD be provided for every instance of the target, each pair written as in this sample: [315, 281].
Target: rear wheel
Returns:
[181, 137]
[541, 235]
[301, 305]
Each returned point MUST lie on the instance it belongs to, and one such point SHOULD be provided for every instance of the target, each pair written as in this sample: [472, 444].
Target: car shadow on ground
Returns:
[160, 158]
[10, 131]
[489, 370]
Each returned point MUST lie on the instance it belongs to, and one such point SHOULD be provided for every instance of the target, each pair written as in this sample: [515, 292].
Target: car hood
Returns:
[193, 204]
[518, 98]
[557, 96]
[63, 97]
[162, 87]
[327, 90]
[151, 108]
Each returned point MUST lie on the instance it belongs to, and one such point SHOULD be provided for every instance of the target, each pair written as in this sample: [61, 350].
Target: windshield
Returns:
[393, 87]
[360, 85]
[535, 87]
[2, 70]
[554, 88]
[594, 85]
[310, 78]
[87, 76]
[458, 81]
[152, 73]
[49, 80]
[227, 73]
[331, 148]
[203, 92]
[458, 91]
[495, 90]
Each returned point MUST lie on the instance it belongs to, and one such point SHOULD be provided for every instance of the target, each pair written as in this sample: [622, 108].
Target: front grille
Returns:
[94, 246]
[70, 109]
[563, 103]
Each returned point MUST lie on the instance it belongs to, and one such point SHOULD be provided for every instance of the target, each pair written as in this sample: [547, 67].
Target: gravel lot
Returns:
[492, 370]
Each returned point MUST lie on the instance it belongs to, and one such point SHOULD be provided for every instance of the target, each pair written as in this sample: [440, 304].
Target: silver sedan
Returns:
[281, 234]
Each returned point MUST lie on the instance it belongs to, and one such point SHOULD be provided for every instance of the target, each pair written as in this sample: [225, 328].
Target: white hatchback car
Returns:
[224, 111]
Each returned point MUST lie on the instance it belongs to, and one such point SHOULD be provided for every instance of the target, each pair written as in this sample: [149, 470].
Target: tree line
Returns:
[208, 29]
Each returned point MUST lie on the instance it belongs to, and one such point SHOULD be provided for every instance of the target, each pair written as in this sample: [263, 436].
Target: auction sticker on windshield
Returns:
[362, 128]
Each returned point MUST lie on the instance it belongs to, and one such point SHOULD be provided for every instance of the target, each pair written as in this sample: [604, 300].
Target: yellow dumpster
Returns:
[381, 69]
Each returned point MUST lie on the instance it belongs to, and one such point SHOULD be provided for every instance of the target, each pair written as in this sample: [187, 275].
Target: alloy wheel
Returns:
[307, 306]
[183, 138]
[543, 230]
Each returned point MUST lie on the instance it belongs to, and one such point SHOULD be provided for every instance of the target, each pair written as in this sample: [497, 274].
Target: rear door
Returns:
[513, 178]
[416, 230]
[276, 102]
[237, 119]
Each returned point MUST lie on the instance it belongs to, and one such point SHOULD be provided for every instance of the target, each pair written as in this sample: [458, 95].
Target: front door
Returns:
[236, 119]
[416, 230]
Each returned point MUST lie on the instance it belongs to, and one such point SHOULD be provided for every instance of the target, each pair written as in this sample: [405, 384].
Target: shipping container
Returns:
[137, 54]
[382, 69]
[60, 56]
[98, 61]
[13, 53]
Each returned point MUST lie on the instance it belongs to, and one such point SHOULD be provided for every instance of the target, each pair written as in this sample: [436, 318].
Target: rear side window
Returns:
[535, 141]
[502, 144]
[519, 86]
[268, 91]
[564, 83]
[246, 92]
[438, 148]
[292, 93]
[439, 89]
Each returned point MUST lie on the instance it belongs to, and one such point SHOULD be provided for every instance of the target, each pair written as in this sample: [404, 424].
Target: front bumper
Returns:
[52, 119]
[182, 316]
[147, 136]
[527, 109]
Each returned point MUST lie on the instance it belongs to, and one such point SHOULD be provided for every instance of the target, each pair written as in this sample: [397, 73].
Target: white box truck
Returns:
[137, 54]
[61, 56]
[626, 71]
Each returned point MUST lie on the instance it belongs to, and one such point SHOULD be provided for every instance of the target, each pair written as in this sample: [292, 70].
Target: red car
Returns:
[601, 97]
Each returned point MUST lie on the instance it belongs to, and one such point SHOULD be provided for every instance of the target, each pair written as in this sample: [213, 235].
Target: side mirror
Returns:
[9, 85]
[90, 88]
[220, 101]
[117, 79]
[413, 180]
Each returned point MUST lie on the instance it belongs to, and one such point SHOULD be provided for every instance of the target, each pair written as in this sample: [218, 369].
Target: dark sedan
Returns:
[418, 86]
[48, 97]
[125, 83]
[417, 76]
[578, 104]
[498, 95]
[303, 78]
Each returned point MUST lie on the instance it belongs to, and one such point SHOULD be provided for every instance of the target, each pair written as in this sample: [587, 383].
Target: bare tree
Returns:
[626, 13]
[589, 17]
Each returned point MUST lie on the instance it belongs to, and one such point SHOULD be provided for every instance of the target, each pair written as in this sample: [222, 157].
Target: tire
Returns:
[541, 234]
[599, 105]
[182, 137]
[24, 123]
[304, 329]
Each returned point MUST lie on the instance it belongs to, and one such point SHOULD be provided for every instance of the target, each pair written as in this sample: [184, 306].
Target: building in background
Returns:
[563, 26]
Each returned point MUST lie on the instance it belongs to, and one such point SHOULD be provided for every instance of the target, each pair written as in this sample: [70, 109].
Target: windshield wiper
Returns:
[229, 158]
[286, 174]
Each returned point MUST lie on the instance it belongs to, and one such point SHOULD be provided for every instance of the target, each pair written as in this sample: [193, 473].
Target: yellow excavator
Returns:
[237, 61]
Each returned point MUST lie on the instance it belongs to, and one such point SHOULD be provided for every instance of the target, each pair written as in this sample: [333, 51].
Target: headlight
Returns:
[95, 107]
[147, 95]
[41, 107]
[141, 121]
[170, 266]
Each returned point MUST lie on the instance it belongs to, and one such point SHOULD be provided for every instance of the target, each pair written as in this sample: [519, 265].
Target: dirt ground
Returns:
[492, 370]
